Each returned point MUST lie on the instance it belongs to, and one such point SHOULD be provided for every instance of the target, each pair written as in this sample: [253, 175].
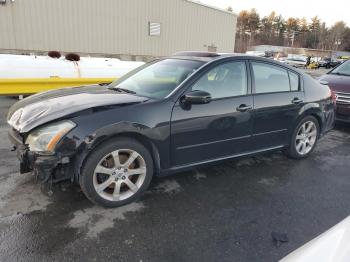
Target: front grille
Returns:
[343, 98]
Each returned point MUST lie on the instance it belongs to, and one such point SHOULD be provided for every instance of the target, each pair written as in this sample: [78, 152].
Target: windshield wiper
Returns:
[122, 90]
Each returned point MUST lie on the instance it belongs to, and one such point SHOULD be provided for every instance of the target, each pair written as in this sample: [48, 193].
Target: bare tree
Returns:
[297, 32]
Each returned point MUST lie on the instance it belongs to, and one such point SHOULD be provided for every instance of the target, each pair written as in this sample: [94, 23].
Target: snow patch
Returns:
[268, 181]
[97, 219]
[246, 162]
[169, 186]
[19, 194]
[199, 175]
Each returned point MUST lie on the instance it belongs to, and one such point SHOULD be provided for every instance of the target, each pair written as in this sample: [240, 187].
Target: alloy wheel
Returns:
[119, 175]
[306, 138]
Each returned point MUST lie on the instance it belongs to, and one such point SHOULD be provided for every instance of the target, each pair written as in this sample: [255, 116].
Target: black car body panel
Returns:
[328, 63]
[52, 105]
[178, 137]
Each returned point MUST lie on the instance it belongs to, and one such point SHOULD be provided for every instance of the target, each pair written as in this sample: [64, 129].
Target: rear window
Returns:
[270, 79]
[294, 81]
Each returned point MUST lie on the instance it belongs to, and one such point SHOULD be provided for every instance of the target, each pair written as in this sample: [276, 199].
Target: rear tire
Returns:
[304, 138]
[117, 172]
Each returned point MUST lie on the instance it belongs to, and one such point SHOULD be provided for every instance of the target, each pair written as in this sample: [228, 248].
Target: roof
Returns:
[204, 57]
[194, 58]
[212, 7]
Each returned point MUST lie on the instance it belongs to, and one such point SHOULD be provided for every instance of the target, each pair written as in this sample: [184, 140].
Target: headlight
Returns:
[45, 138]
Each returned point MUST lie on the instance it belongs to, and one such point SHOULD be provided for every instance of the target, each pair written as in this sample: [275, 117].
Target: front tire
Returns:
[304, 138]
[116, 173]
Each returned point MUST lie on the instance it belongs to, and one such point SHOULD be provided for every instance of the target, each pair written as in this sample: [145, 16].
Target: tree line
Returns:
[293, 32]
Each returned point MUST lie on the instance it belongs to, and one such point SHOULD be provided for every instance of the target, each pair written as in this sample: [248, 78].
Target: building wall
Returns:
[114, 26]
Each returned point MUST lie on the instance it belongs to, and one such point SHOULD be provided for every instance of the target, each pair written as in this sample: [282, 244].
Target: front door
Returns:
[220, 128]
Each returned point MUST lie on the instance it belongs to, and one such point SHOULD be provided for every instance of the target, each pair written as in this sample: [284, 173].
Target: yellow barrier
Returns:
[26, 86]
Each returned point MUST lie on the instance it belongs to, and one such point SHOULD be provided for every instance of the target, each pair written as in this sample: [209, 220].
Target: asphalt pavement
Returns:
[225, 212]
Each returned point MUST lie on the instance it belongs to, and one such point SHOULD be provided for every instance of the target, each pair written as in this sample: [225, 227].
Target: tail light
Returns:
[333, 96]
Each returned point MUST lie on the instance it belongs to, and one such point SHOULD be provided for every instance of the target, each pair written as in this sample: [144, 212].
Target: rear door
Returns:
[220, 128]
[278, 98]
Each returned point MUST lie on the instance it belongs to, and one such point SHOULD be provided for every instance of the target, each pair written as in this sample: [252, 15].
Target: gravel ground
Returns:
[221, 213]
[316, 73]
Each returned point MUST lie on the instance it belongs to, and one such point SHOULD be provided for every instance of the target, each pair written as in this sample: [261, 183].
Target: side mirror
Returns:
[196, 97]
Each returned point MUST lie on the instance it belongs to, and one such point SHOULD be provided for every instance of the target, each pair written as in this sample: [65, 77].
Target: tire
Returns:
[295, 150]
[102, 177]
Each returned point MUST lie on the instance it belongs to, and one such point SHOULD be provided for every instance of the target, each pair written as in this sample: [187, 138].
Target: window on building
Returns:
[212, 48]
[154, 29]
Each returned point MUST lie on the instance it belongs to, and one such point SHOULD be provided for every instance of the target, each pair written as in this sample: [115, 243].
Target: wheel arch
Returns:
[314, 110]
[291, 150]
[142, 139]
[319, 120]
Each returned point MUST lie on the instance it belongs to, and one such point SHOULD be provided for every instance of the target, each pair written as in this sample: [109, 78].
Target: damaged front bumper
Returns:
[48, 168]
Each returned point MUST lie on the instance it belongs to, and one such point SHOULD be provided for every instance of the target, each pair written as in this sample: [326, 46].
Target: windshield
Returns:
[159, 79]
[343, 69]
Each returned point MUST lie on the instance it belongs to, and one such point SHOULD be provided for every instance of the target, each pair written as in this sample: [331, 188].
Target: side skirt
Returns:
[176, 169]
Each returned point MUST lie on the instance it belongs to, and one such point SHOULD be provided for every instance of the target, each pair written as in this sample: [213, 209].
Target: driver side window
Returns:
[225, 80]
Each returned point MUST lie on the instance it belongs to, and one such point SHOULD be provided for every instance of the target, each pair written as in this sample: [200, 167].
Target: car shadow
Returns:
[343, 127]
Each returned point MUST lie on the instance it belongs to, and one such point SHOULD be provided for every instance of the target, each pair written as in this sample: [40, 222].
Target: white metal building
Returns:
[129, 29]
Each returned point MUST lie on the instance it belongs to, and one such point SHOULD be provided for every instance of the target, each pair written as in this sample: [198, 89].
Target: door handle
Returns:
[243, 108]
[297, 100]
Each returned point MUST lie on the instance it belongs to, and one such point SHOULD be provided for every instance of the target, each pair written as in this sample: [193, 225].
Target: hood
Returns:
[41, 108]
[337, 83]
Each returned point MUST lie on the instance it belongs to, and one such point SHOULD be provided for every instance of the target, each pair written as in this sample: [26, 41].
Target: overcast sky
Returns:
[330, 11]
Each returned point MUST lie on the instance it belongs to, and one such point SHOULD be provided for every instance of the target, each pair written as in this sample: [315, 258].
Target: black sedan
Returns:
[167, 116]
[328, 63]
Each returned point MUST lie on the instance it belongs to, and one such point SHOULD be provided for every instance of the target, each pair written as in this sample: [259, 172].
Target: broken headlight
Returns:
[45, 138]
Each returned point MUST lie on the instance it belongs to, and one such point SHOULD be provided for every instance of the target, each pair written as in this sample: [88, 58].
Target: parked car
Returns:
[332, 245]
[339, 82]
[297, 62]
[267, 54]
[328, 63]
[343, 58]
[168, 116]
[256, 53]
